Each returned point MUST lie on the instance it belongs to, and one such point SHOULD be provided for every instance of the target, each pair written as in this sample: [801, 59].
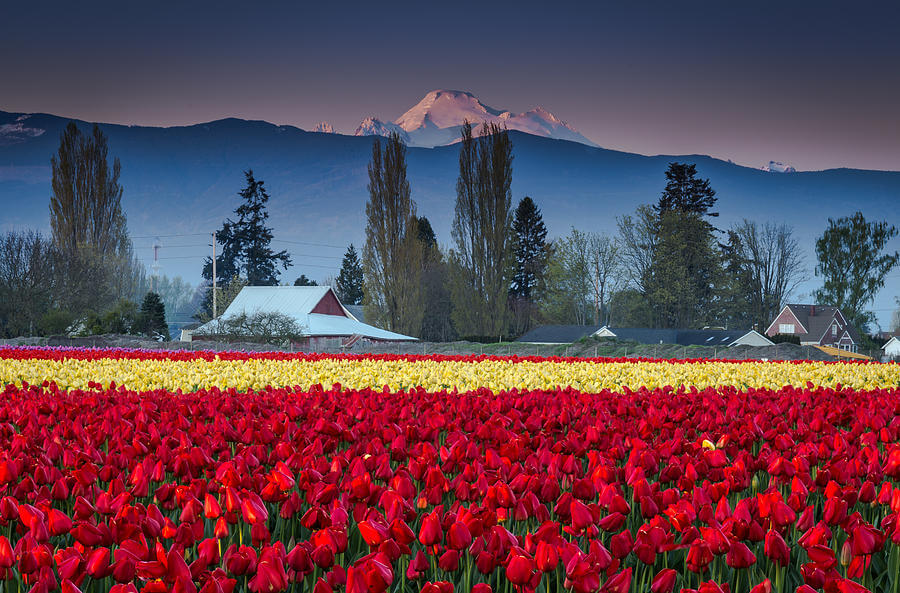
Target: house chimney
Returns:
[812, 310]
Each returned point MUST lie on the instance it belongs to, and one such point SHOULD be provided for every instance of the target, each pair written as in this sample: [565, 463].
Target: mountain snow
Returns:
[436, 120]
[776, 167]
[372, 126]
[323, 127]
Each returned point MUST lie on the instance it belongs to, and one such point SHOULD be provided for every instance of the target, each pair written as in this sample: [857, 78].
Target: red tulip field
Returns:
[255, 474]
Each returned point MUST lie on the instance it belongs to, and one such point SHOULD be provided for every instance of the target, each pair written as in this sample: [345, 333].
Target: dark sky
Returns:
[812, 84]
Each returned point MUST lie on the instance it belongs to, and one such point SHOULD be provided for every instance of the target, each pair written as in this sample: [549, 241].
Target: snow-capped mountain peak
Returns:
[372, 126]
[324, 127]
[776, 167]
[437, 118]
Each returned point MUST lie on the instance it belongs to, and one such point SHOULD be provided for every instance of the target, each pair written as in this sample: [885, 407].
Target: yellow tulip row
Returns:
[433, 375]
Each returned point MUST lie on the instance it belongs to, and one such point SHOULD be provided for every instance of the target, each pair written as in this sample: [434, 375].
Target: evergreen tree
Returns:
[245, 241]
[481, 232]
[302, 280]
[153, 316]
[685, 266]
[734, 293]
[437, 325]
[392, 257]
[350, 279]
[529, 264]
[853, 266]
[529, 249]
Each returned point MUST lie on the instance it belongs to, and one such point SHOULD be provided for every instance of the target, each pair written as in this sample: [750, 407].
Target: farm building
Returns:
[324, 321]
[816, 325]
[565, 334]
[892, 348]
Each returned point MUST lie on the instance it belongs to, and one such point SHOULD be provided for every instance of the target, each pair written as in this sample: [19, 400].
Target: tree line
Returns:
[667, 265]
[85, 277]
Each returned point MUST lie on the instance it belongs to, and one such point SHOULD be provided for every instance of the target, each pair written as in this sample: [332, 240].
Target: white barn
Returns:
[325, 322]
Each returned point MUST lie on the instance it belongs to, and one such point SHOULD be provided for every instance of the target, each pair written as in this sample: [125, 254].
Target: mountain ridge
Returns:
[185, 179]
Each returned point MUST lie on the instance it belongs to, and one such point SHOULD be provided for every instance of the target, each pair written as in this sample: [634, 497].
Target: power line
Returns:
[178, 235]
[308, 243]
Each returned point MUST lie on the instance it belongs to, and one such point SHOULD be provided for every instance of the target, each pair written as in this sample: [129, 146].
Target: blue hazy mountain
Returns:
[183, 180]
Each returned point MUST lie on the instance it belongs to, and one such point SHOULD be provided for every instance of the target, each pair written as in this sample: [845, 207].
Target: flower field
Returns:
[132, 470]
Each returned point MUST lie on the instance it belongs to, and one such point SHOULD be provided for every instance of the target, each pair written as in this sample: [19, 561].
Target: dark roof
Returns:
[817, 319]
[558, 334]
[565, 334]
[682, 337]
[356, 311]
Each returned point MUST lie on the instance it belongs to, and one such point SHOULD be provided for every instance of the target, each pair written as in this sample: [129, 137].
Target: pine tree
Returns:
[350, 279]
[529, 263]
[302, 280]
[245, 241]
[392, 257]
[685, 266]
[153, 316]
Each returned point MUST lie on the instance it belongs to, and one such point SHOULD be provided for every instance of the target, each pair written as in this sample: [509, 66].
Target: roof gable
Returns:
[294, 301]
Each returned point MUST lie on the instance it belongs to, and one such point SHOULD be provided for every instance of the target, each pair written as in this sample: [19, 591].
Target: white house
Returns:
[316, 309]
[892, 348]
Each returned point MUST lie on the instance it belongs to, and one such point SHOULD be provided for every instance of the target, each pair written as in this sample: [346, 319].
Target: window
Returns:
[785, 328]
[834, 329]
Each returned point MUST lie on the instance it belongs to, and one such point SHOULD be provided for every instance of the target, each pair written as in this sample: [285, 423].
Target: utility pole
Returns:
[214, 275]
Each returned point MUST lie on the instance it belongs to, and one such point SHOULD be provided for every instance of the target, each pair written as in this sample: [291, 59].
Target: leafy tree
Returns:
[853, 266]
[529, 263]
[224, 296]
[481, 232]
[89, 229]
[568, 296]
[766, 265]
[637, 240]
[304, 281]
[629, 308]
[735, 290]
[153, 317]
[176, 295]
[246, 241]
[27, 282]
[392, 257]
[605, 273]
[895, 318]
[349, 283]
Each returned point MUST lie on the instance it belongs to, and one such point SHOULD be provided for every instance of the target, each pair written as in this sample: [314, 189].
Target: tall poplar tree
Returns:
[392, 257]
[481, 232]
[88, 224]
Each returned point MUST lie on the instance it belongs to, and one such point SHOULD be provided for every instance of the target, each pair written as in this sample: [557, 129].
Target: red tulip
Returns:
[430, 533]
[664, 582]
[776, 549]
[519, 569]
[546, 557]
[763, 587]
[7, 558]
[458, 536]
[740, 556]
[618, 583]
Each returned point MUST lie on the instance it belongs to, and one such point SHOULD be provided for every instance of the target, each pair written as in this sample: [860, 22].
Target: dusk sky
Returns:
[813, 84]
